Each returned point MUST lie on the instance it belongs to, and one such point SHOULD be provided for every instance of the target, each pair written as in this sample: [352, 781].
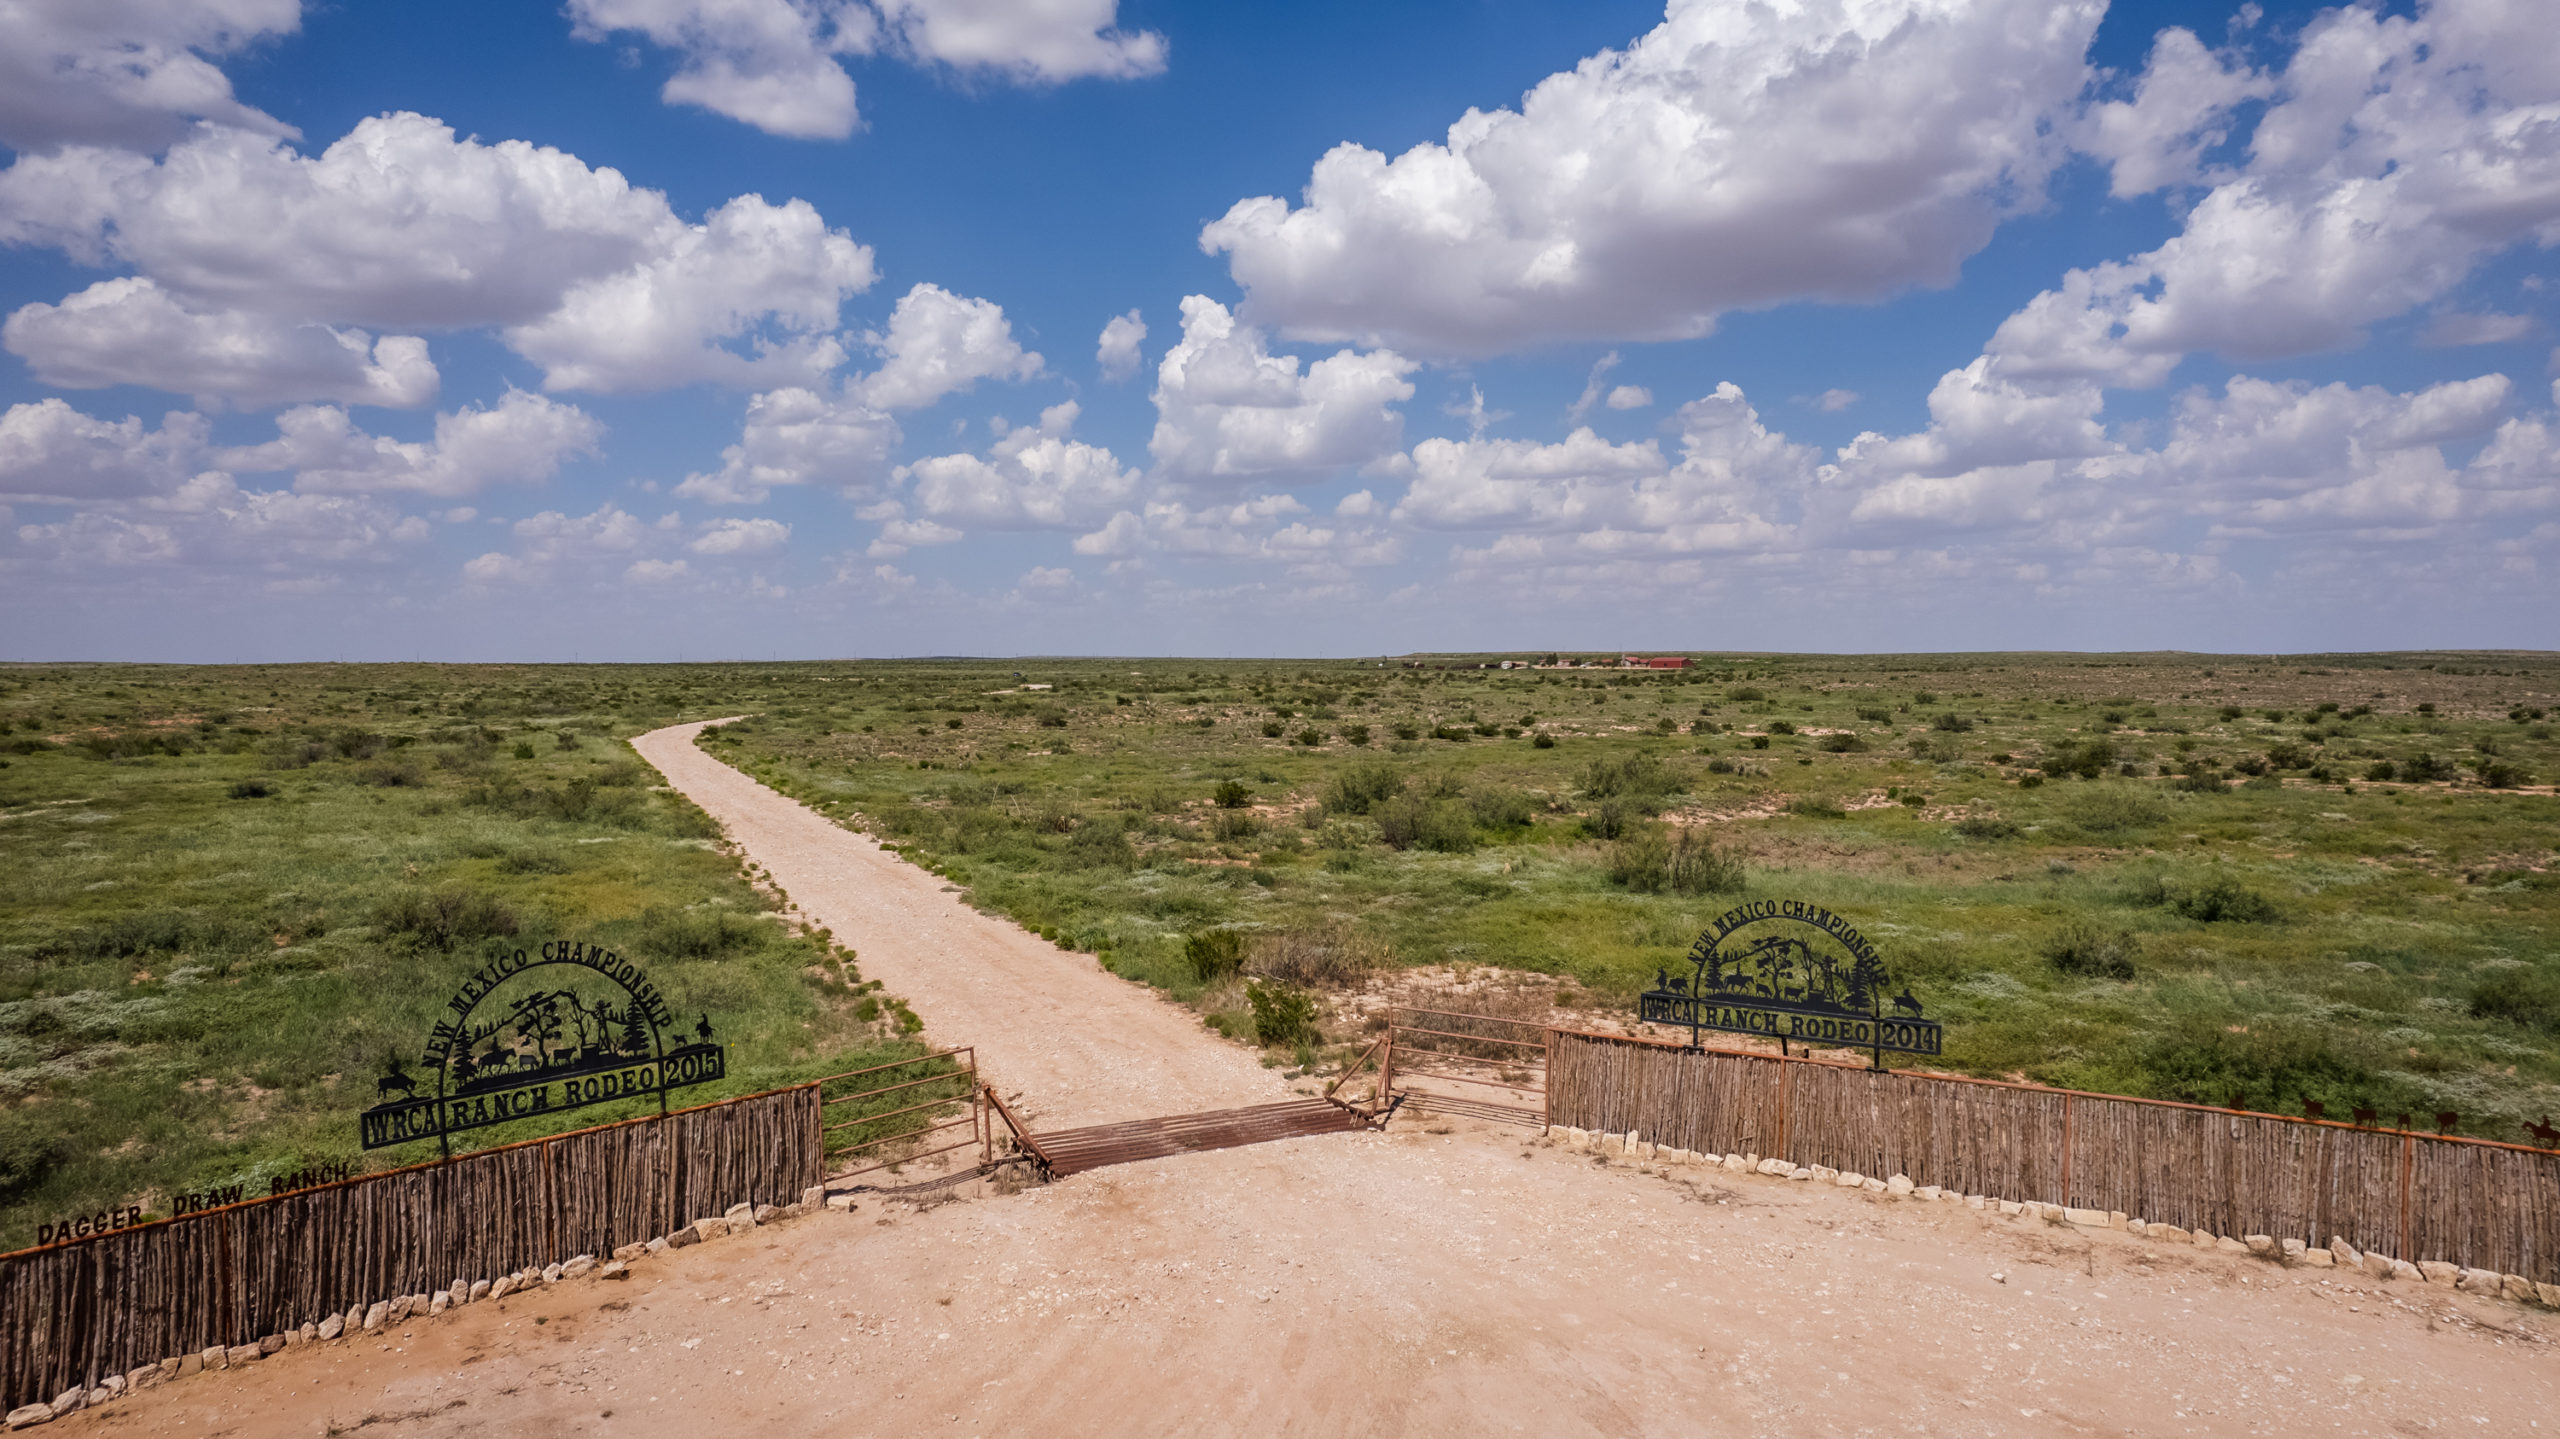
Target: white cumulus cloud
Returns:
[129, 73]
[50, 451]
[1120, 353]
[741, 537]
[775, 64]
[939, 343]
[131, 332]
[1735, 156]
[1226, 407]
[1033, 478]
[799, 436]
[523, 439]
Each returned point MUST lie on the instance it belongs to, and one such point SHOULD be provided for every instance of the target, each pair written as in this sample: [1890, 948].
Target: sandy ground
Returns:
[1080, 1045]
[1440, 1278]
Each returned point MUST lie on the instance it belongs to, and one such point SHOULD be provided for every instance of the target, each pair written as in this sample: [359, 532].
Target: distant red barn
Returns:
[1657, 662]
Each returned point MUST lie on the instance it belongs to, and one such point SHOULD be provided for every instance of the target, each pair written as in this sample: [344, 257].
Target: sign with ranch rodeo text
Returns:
[548, 1050]
[1790, 971]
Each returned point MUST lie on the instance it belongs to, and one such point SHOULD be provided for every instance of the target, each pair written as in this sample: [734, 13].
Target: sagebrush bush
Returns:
[2224, 901]
[2092, 951]
[1361, 786]
[1281, 1015]
[443, 918]
[1213, 954]
[1331, 956]
[2115, 809]
[1654, 859]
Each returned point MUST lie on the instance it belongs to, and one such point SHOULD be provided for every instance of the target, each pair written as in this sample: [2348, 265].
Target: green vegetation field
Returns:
[231, 896]
[2329, 878]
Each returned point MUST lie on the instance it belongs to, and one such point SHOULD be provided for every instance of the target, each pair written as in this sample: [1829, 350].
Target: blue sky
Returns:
[635, 329]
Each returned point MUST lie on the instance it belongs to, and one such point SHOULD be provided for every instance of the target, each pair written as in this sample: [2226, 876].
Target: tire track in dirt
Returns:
[1080, 1045]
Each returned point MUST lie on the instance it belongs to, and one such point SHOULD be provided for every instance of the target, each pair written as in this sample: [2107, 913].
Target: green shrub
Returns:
[2521, 996]
[1496, 808]
[2086, 758]
[1653, 858]
[1214, 953]
[1816, 807]
[2266, 1063]
[1951, 722]
[2424, 768]
[1281, 1015]
[1230, 794]
[1407, 732]
[1609, 819]
[252, 789]
[1327, 956]
[2500, 774]
[1310, 737]
[2382, 771]
[2089, 951]
[444, 918]
[2115, 809]
[1361, 786]
[1632, 776]
[1843, 743]
[1780, 727]
[1355, 735]
[1273, 729]
[1983, 826]
[2224, 901]
[1746, 694]
[1542, 741]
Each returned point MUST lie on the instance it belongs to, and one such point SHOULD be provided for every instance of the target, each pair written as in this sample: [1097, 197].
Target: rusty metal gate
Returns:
[1446, 1062]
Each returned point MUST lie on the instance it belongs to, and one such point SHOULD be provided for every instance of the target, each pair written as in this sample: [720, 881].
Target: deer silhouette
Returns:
[2549, 1136]
[398, 1080]
[1903, 1003]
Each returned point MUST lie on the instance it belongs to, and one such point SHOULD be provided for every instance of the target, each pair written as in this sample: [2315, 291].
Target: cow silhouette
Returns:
[2446, 1119]
[2313, 1109]
[2365, 1117]
[397, 1080]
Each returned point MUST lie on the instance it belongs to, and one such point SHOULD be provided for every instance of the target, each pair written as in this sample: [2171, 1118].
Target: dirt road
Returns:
[1436, 1279]
[1080, 1045]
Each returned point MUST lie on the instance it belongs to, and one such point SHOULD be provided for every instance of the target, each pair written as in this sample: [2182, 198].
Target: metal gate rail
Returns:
[1422, 1054]
[961, 1077]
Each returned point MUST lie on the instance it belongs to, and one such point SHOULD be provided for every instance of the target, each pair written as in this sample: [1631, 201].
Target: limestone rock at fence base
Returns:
[1899, 1185]
[1976, 1201]
[1800, 1173]
[814, 1195]
[1929, 1192]
[2259, 1244]
[628, 1252]
[215, 1357]
[333, 1326]
[2436, 1271]
[480, 1289]
[2293, 1250]
[190, 1364]
[614, 1269]
[95, 1398]
[1734, 1163]
[2377, 1265]
[577, 1266]
[111, 1386]
[2011, 1207]
[2137, 1227]
[711, 1229]
[29, 1415]
[172, 1368]
[1824, 1173]
[840, 1203]
[764, 1212]
[2516, 1287]
[1848, 1180]
[68, 1401]
[689, 1235]
[355, 1316]
[2319, 1258]
[505, 1286]
[2348, 1255]
[244, 1354]
[142, 1376]
[377, 1316]
[1872, 1186]
[309, 1333]
[2228, 1245]
[2549, 1294]
[1769, 1166]
[2090, 1218]
[738, 1211]
[2173, 1234]
[440, 1303]
[551, 1274]
[2480, 1281]
[270, 1344]
[658, 1246]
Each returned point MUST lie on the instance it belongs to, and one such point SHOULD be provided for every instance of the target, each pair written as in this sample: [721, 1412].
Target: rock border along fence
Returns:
[2433, 1201]
[79, 1317]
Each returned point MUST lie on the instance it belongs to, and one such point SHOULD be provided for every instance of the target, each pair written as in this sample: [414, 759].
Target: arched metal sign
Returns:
[1790, 971]
[547, 1049]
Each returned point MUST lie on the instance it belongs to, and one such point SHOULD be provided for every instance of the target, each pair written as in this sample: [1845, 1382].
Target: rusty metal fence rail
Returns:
[2472, 1202]
[1478, 1065]
[922, 1093]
